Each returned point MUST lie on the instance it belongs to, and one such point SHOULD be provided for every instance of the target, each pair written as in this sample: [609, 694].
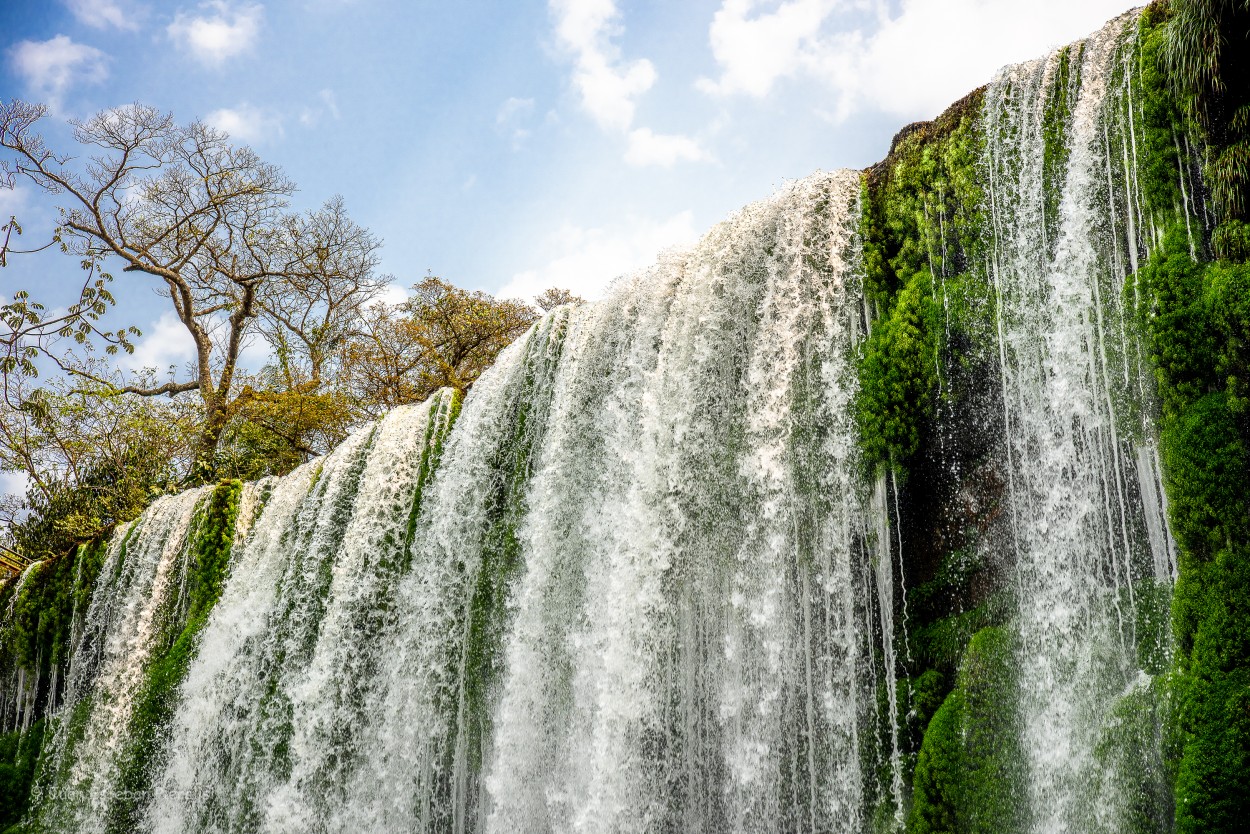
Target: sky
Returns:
[513, 146]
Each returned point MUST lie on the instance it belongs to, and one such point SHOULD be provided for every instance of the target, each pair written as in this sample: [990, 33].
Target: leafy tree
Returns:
[93, 457]
[443, 336]
[28, 331]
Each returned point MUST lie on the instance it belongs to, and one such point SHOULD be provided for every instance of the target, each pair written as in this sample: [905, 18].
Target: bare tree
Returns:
[208, 221]
[310, 315]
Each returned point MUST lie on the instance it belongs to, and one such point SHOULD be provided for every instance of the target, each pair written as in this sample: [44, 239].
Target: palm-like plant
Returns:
[1208, 57]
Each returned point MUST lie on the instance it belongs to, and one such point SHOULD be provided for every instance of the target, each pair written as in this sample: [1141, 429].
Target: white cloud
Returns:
[256, 353]
[648, 148]
[584, 30]
[166, 342]
[609, 87]
[514, 108]
[246, 123]
[910, 63]
[754, 52]
[101, 14]
[50, 68]
[331, 102]
[12, 203]
[223, 32]
[586, 260]
[393, 293]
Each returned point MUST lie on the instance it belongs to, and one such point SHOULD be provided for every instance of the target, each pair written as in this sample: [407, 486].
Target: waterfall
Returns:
[648, 576]
[1087, 521]
[636, 587]
[138, 587]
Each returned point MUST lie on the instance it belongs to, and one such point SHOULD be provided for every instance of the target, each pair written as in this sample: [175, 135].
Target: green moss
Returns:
[1056, 118]
[19, 755]
[937, 788]
[941, 644]
[921, 230]
[898, 374]
[501, 549]
[1159, 124]
[1131, 776]
[444, 410]
[969, 775]
[212, 536]
[1196, 319]
[1212, 725]
[1152, 610]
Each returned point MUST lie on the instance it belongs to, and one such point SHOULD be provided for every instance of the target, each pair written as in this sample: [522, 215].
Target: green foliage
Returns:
[941, 644]
[38, 636]
[441, 337]
[95, 459]
[1176, 321]
[920, 229]
[1206, 463]
[969, 774]
[1056, 118]
[37, 639]
[1197, 322]
[937, 786]
[1153, 610]
[1212, 734]
[19, 758]
[273, 429]
[1160, 123]
[1131, 775]
[898, 375]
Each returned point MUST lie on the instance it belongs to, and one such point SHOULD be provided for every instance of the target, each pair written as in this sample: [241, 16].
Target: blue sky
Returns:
[512, 146]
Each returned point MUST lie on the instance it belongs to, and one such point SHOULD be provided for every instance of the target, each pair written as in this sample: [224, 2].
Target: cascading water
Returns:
[645, 581]
[639, 593]
[137, 589]
[1088, 524]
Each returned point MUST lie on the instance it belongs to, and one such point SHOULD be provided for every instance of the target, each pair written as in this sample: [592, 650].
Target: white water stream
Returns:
[1088, 524]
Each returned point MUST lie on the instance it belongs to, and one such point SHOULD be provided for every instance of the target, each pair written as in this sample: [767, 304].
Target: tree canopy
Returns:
[209, 225]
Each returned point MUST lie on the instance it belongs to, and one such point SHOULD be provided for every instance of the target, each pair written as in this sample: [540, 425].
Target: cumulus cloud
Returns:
[393, 293]
[649, 148]
[50, 68]
[103, 14]
[608, 85]
[909, 63]
[585, 260]
[246, 123]
[754, 51]
[220, 32]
